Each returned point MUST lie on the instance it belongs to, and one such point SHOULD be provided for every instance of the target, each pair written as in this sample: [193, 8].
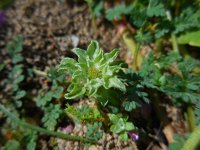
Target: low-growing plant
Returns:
[121, 126]
[99, 77]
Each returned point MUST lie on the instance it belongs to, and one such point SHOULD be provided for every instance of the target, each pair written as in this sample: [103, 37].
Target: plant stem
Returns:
[135, 64]
[193, 141]
[39, 129]
[190, 118]
[134, 48]
[173, 36]
[174, 42]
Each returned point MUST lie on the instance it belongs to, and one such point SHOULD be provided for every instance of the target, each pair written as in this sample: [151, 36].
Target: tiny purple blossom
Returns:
[134, 136]
[68, 128]
[2, 18]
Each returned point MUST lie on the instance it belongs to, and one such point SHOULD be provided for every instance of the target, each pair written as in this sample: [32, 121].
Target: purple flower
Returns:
[2, 18]
[134, 136]
[68, 128]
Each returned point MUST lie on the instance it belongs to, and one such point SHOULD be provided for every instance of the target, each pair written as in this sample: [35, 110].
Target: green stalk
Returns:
[159, 45]
[190, 118]
[174, 42]
[193, 142]
[134, 48]
[39, 129]
[136, 66]
[173, 36]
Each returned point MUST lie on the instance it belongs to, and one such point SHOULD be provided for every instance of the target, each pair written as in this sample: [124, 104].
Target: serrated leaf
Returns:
[116, 83]
[16, 45]
[118, 11]
[17, 58]
[82, 57]
[52, 113]
[94, 86]
[110, 57]
[188, 19]
[138, 17]
[68, 64]
[93, 49]
[12, 145]
[42, 100]
[156, 8]
[57, 91]
[129, 105]
[19, 79]
[76, 91]
[20, 94]
[98, 7]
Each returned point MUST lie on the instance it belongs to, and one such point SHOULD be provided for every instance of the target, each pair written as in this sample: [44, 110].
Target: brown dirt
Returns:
[49, 29]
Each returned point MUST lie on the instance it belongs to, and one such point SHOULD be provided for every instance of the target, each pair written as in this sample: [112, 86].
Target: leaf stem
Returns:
[134, 48]
[39, 129]
[190, 118]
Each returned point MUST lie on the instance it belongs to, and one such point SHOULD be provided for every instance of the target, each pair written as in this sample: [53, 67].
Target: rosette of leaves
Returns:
[121, 126]
[93, 74]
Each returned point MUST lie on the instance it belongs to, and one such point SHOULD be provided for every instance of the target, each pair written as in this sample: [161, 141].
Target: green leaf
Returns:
[110, 57]
[129, 126]
[76, 91]
[116, 83]
[129, 105]
[30, 138]
[143, 37]
[82, 56]
[12, 145]
[118, 127]
[43, 99]
[190, 38]
[68, 64]
[20, 94]
[113, 118]
[52, 113]
[94, 132]
[118, 11]
[57, 91]
[124, 136]
[19, 79]
[17, 58]
[187, 20]
[2, 66]
[93, 49]
[98, 7]
[156, 8]
[138, 17]
[94, 86]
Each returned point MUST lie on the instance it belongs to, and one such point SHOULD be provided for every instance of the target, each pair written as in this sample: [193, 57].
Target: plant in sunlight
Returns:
[94, 71]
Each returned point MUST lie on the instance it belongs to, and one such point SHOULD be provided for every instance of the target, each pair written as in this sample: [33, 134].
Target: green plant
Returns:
[15, 76]
[84, 113]
[121, 126]
[39, 129]
[93, 74]
[94, 132]
[45, 100]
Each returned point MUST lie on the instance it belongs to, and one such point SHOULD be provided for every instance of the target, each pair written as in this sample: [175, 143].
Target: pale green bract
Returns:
[93, 70]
